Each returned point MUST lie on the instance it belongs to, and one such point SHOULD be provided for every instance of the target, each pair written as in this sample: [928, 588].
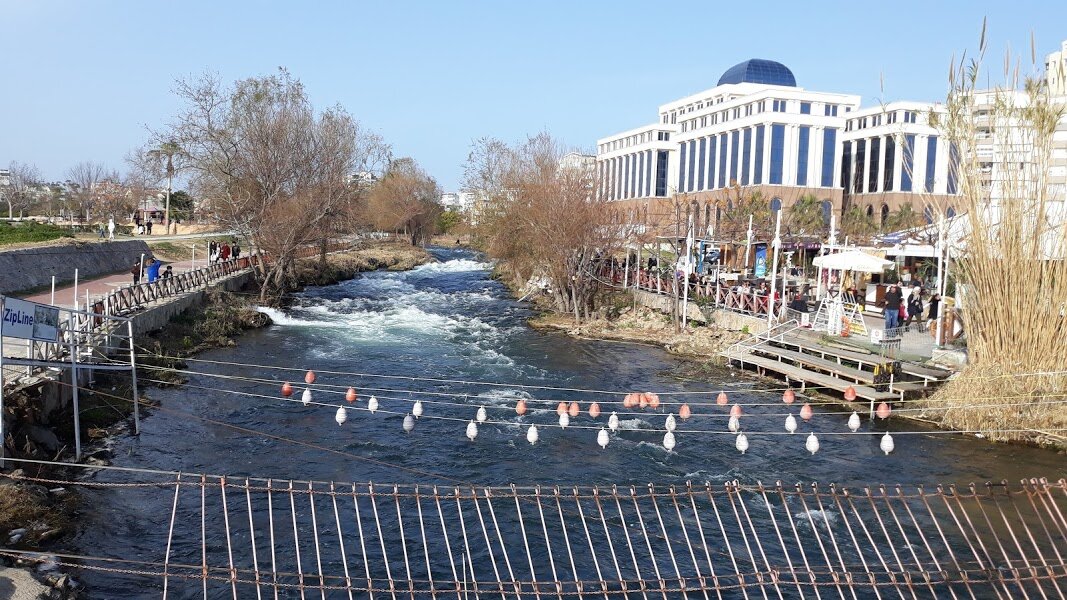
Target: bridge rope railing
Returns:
[245, 536]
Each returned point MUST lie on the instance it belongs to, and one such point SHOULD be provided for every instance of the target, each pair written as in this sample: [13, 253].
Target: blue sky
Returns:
[82, 80]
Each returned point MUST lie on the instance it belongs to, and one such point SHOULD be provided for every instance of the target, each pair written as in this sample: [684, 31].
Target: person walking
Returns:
[931, 314]
[915, 309]
[224, 252]
[136, 272]
[111, 229]
[148, 227]
[893, 299]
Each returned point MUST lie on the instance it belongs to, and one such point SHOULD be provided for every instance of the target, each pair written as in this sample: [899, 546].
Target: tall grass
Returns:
[1013, 267]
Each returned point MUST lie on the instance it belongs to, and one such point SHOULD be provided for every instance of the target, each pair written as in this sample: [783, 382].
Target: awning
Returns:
[852, 260]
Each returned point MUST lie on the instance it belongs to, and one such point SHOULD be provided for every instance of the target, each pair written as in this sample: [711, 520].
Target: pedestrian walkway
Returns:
[102, 286]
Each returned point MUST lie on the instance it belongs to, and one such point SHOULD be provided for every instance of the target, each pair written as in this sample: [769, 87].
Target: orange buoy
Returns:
[805, 412]
[594, 410]
[685, 412]
[573, 410]
[789, 396]
[287, 389]
[309, 377]
[735, 410]
[350, 395]
[643, 400]
[520, 407]
[883, 411]
[628, 401]
[722, 400]
[653, 400]
[561, 409]
[850, 393]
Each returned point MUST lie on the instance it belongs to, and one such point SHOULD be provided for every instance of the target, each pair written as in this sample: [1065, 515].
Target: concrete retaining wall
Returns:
[663, 304]
[31, 268]
[733, 321]
[156, 317]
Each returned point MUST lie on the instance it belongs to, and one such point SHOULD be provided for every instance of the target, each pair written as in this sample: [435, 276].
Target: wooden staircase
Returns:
[797, 355]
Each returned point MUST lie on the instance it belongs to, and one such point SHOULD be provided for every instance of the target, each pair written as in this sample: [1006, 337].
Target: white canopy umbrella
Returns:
[853, 260]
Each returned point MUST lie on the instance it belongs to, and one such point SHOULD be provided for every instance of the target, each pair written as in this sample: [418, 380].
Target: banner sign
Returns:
[761, 261]
[30, 321]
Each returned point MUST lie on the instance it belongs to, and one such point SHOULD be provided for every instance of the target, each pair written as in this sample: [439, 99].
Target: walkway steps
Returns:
[840, 354]
[834, 368]
[806, 376]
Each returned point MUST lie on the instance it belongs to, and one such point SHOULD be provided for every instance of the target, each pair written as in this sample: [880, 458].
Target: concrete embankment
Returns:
[33, 268]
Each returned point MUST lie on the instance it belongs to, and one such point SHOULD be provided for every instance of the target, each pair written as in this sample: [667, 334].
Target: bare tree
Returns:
[19, 191]
[83, 179]
[274, 169]
[406, 200]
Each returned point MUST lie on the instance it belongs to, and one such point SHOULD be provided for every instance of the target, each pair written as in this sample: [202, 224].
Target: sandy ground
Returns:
[18, 584]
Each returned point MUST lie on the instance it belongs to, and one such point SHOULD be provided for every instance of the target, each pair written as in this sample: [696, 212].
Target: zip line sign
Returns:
[29, 320]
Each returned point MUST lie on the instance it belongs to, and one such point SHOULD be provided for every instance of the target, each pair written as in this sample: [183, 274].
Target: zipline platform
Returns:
[791, 353]
[253, 538]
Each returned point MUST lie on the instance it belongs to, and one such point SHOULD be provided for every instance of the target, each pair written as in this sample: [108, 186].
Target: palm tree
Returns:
[903, 218]
[805, 217]
[166, 152]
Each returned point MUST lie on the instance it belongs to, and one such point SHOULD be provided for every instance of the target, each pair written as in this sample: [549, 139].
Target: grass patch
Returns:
[26, 232]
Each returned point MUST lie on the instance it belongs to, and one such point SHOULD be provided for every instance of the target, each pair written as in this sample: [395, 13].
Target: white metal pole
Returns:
[626, 268]
[748, 242]
[74, 385]
[194, 257]
[52, 301]
[75, 289]
[140, 267]
[777, 242]
[940, 279]
[686, 269]
[133, 377]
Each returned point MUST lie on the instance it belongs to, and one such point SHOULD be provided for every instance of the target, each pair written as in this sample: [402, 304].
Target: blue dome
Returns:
[757, 70]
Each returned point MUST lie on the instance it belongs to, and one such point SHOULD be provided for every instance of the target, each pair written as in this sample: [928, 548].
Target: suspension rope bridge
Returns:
[242, 537]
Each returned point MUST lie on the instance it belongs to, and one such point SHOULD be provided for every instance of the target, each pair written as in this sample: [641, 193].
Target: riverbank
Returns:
[32, 516]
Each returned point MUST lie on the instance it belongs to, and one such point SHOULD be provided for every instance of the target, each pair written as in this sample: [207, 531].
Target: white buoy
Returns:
[671, 423]
[854, 421]
[741, 443]
[791, 424]
[372, 404]
[812, 443]
[472, 430]
[669, 442]
[306, 396]
[417, 409]
[480, 415]
[341, 416]
[564, 420]
[602, 438]
[531, 434]
[409, 423]
[734, 424]
[613, 422]
[887, 444]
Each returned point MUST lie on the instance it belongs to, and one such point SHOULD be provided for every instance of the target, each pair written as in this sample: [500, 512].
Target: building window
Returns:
[661, 175]
[953, 168]
[890, 164]
[908, 156]
[777, 152]
[711, 161]
[870, 212]
[692, 166]
[928, 215]
[803, 140]
[951, 212]
[931, 162]
[746, 153]
[640, 189]
[827, 211]
[648, 173]
[885, 214]
[757, 176]
[776, 204]
[805, 108]
[860, 171]
[681, 168]
[876, 163]
[703, 165]
[722, 160]
[735, 145]
[830, 110]
[846, 165]
[829, 151]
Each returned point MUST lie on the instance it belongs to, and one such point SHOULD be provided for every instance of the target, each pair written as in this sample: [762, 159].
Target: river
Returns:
[448, 321]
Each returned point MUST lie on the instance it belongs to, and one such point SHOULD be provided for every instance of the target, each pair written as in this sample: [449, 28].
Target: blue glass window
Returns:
[908, 152]
[735, 142]
[861, 167]
[805, 108]
[876, 161]
[692, 165]
[648, 173]
[681, 169]
[890, 164]
[827, 210]
[928, 214]
[746, 154]
[931, 162]
[661, 173]
[722, 160]
[776, 204]
[757, 70]
[702, 162]
[829, 151]
[633, 176]
[711, 162]
[846, 165]
[953, 168]
[757, 175]
[777, 153]
[803, 141]
[640, 175]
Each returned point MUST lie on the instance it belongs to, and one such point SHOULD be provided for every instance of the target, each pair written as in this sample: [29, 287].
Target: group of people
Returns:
[150, 269]
[223, 251]
[903, 312]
